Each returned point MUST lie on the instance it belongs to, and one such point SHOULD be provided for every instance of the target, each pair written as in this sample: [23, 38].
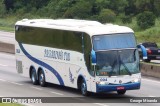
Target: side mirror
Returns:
[144, 51]
[93, 62]
[93, 57]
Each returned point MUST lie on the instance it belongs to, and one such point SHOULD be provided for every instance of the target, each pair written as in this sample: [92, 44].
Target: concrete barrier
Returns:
[8, 48]
[146, 68]
[150, 70]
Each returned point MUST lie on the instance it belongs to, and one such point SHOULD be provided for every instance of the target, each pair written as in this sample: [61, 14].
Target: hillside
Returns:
[142, 16]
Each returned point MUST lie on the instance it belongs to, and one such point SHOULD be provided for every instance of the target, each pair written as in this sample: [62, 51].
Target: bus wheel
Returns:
[41, 79]
[34, 77]
[84, 88]
[122, 92]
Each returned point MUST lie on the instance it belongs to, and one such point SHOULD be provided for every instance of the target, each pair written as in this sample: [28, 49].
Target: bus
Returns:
[82, 54]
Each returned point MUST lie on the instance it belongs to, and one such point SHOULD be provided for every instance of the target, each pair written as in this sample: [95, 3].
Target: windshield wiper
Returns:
[125, 67]
[110, 74]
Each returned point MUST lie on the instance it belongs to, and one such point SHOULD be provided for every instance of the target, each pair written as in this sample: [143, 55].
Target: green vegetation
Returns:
[142, 16]
[9, 104]
[151, 34]
[146, 20]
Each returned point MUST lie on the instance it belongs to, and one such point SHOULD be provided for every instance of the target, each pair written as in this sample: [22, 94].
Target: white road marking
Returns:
[100, 104]
[2, 80]
[3, 65]
[36, 88]
[151, 96]
[151, 80]
[57, 93]
[15, 83]
[11, 82]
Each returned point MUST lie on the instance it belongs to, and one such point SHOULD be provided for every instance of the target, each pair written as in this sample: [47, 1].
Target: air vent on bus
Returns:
[19, 66]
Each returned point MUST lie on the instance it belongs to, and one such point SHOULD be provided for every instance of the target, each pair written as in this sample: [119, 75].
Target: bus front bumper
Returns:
[108, 88]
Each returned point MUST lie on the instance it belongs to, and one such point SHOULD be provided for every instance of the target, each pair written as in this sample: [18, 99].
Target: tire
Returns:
[147, 60]
[41, 78]
[34, 77]
[121, 92]
[83, 86]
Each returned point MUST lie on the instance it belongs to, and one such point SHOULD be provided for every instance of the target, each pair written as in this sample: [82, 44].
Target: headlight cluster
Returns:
[102, 83]
[136, 80]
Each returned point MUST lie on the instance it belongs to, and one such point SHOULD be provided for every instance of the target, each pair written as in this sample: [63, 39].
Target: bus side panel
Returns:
[57, 70]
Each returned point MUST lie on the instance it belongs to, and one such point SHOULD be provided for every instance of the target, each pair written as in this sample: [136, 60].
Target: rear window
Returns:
[148, 44]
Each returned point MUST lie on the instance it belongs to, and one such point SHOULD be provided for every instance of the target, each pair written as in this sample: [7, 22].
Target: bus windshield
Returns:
[114, 41]
[116, 54]
[117, 62]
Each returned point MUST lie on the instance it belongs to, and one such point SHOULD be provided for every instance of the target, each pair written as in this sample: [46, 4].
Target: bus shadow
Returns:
[63, 88]
[91, 97]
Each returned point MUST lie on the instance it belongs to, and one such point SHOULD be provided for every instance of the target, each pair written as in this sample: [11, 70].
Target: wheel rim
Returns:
[83, 88]
[41, 78]
[33, 77]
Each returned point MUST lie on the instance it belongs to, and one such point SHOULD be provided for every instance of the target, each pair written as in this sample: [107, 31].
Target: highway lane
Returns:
[14, 85]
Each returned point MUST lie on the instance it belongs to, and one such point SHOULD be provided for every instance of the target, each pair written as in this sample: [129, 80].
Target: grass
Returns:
[7, 24]
[9, 104]
[152, 34]
[8, 29]
[148, 35]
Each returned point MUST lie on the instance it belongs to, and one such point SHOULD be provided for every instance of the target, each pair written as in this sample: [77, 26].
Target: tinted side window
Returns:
[87, 49]
[50, 37]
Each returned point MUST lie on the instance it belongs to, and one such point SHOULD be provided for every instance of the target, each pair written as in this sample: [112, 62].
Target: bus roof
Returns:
[89, 27]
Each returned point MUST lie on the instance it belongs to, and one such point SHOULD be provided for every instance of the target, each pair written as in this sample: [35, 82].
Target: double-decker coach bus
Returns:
[81, 54]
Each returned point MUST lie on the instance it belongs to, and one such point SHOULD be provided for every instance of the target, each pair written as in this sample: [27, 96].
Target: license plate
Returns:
[120, 88]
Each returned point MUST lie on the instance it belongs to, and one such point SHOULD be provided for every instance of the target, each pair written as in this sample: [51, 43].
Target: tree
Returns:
[144, 5]
[81, 9]
[130, 9]
[106, 16]
[146, 19]
[157, 7]
[2, 9]
[9, 4]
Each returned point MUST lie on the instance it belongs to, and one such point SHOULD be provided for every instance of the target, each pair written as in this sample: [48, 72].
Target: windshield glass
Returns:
[114, 41]
[117, 62]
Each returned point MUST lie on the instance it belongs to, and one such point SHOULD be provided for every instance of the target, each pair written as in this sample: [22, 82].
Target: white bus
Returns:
[81, 54]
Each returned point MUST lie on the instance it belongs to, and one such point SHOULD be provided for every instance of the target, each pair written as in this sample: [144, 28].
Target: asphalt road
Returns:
[14, 85]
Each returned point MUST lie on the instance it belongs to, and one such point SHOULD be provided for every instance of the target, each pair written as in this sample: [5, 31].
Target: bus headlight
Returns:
[102, 83]
[136, 80]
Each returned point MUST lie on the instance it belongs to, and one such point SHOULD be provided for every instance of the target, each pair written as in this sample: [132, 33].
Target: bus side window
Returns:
[87, 50]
